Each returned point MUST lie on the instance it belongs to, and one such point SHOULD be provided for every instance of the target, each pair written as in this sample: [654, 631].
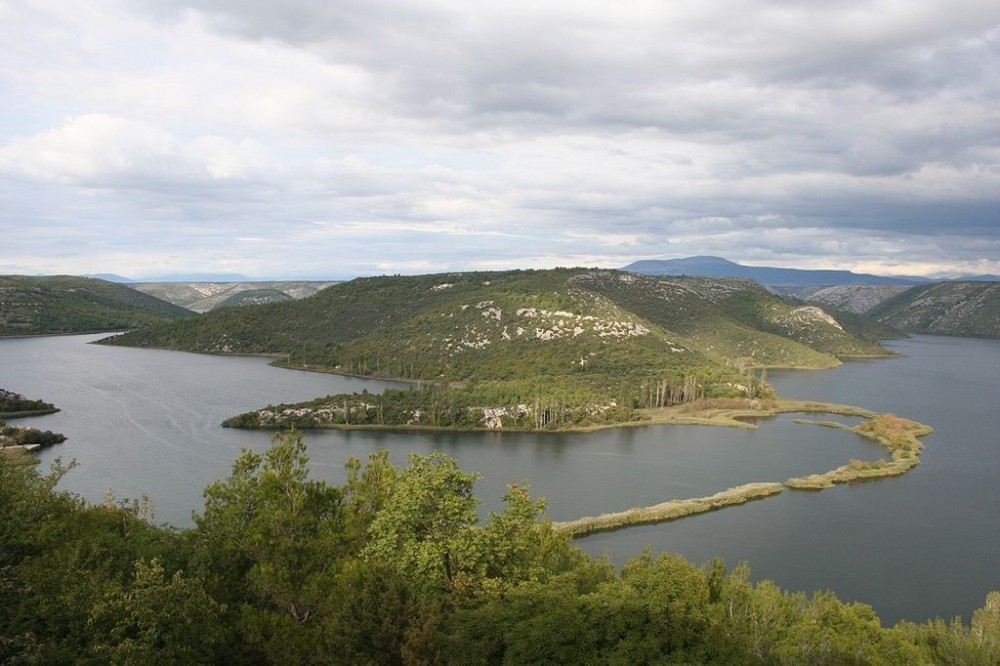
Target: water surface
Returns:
[147, 422]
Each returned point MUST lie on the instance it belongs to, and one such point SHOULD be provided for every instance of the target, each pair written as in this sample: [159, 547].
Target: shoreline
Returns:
[683, 414]
[27, 413]
[899, 436]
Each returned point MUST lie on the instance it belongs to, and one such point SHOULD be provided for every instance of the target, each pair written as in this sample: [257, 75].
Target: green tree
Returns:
[269, 545]
[425, 530]
[156, 620]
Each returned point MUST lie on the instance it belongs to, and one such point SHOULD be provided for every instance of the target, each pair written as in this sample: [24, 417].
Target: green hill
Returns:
[69, 304]
[947, 308]
[557, 348]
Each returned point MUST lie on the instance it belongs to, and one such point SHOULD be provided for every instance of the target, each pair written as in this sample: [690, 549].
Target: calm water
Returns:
[146, 422]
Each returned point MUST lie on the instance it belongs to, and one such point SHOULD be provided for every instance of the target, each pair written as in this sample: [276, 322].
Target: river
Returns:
[146, 422]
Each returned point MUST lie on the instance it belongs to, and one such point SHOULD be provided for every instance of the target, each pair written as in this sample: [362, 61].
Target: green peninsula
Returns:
[14, 405]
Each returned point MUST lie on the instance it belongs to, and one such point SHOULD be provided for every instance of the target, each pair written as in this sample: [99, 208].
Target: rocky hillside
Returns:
[254, 297]
[69, 304]
[205, 296]
[946, 308]
[856, 298]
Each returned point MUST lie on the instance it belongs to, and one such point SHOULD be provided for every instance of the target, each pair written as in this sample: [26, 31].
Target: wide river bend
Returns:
[146, 422]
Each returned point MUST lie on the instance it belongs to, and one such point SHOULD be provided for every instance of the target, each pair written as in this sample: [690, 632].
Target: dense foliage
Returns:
[14, 403]
[69, 304]
[394, 566]
[13, 435]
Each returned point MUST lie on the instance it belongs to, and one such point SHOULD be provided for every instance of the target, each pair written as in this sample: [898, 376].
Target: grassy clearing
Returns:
[738, 412]
[18, 455]
[666, 511]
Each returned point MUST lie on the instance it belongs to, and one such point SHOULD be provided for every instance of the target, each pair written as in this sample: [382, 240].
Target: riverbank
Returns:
[24, 413]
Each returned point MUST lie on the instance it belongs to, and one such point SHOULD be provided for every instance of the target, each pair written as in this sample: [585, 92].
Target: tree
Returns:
[425, 529]
[157, 620]
[269, 545]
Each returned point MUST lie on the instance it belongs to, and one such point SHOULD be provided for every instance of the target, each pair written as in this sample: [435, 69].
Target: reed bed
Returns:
[898, 435]
[666, 511]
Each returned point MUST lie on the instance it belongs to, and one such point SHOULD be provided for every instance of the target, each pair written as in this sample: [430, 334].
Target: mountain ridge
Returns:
[766, 275]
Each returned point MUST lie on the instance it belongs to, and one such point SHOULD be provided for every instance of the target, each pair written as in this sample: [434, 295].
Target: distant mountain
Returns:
[719, 267]
[966, 308]
[72, 304]
[205, 296]
[111, 277]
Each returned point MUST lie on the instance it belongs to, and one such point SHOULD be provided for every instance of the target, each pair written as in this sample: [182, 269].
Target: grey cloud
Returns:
[527, 134]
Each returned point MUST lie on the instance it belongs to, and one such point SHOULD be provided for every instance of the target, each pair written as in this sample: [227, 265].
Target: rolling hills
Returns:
[969, 308]
[964, 307]
[857, 298]
[69, 304]
[555, 348]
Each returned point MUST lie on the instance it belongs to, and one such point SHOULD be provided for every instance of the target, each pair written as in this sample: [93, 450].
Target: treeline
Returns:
[528, 404]
[12, 404]
[395, 567]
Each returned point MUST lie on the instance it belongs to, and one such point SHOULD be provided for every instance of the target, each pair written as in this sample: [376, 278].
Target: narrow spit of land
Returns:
[16, 442]
[899, 436]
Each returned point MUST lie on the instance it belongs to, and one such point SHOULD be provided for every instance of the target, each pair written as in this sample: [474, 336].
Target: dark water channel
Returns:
[923, 545]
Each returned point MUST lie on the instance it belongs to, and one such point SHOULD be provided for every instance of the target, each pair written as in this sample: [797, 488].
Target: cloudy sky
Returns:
[332, 138]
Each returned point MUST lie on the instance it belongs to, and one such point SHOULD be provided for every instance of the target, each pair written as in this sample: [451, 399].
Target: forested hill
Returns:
[435, 320]
[946, 308]
[70, 304]
[563, 346]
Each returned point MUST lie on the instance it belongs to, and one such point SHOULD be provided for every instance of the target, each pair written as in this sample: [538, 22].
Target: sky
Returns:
[336, 138]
